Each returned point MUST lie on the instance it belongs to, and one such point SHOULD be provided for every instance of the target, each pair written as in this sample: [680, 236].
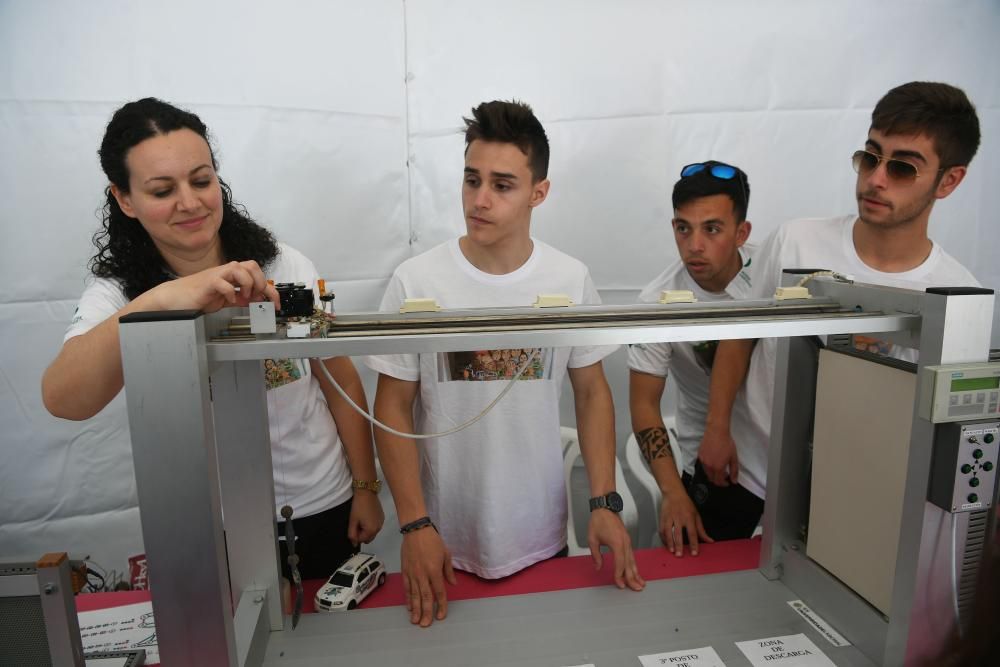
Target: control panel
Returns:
[959, 392]
[964, 466]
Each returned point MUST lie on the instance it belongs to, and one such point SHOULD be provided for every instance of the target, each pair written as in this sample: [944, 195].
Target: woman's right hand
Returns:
[87, 374]
[214, 288]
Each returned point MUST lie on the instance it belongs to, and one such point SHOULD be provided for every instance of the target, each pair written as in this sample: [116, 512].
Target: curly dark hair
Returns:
[125, 251]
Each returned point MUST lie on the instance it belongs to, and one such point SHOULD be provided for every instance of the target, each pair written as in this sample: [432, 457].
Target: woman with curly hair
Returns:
[172, 238]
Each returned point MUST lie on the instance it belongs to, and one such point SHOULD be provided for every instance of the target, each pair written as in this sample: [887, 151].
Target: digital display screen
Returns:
[972, 384]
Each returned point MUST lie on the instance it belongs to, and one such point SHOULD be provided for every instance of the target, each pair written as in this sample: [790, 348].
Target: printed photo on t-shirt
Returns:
[488, 365]
[279, 372]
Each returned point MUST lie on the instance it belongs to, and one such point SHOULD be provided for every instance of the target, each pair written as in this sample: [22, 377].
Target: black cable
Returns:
[94, 588]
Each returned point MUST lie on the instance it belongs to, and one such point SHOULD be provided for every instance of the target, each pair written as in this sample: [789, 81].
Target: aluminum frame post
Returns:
[242, 437]
[177, 481]
[792, 404]
[787, 503]
[62, 626]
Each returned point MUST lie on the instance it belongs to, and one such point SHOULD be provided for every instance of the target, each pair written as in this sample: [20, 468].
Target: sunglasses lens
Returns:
[864, 161]
[901, 171]
[723, 171]
[692, 169]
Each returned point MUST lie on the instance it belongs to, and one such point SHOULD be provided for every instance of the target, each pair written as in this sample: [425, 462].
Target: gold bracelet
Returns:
[373, 486]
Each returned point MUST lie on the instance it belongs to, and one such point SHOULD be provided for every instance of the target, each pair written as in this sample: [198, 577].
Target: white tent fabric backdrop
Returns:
[337, 124]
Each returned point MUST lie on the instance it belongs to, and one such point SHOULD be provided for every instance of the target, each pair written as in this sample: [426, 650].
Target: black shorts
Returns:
[320, 542]
[727, 512]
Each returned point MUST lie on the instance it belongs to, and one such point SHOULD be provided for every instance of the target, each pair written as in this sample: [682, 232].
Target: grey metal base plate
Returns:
[603, 626]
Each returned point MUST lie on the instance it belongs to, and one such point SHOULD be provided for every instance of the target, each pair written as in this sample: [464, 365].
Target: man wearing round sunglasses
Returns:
[922, 138]
[710, 228]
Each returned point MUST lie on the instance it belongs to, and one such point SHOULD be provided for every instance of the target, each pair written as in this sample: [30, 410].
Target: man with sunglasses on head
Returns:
[710, 228]
[922, 137]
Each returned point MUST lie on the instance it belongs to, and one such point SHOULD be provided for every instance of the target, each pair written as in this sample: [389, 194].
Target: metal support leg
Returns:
[177, 481]
[241, 433]
[252, 626]
[62, 627]
[787, 505]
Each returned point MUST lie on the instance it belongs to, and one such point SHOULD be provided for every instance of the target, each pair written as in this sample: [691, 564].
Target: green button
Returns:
[974, 481]
[988, 438]
[987, 466]
[973, 498]
[966, 469]
[978, 454]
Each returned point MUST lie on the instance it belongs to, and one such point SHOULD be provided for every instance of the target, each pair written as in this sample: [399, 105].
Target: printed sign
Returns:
[788, 651]
[698, 657]
[138, 575]
[818, 624]
[120, 629]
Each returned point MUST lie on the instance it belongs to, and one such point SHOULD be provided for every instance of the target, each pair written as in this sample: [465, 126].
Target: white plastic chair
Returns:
[629, 514]
[633, 456]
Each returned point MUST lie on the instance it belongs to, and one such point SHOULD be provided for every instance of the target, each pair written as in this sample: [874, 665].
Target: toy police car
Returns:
[351, 583]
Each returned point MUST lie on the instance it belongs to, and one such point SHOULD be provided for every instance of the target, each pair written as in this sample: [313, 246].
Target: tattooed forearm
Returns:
[653, 443]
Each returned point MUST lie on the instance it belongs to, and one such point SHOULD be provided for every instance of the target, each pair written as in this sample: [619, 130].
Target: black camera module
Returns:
[296, 300]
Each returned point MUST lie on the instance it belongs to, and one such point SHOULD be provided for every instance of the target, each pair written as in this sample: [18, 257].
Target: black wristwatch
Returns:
[612, 502]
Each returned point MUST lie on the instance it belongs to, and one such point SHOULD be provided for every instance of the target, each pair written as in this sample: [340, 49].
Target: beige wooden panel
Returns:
[861, 439]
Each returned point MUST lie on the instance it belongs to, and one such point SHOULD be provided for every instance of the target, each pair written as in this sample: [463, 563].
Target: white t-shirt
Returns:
[690, 363]
[826, 243]
[310, 469]
[495, 490]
